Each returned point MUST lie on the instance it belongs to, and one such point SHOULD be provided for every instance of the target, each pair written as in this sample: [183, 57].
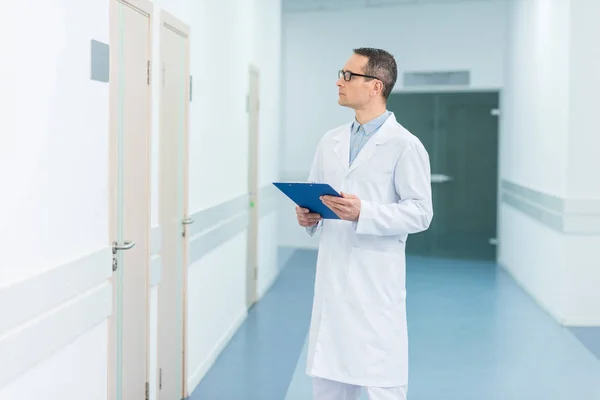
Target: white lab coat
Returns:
[358, 331]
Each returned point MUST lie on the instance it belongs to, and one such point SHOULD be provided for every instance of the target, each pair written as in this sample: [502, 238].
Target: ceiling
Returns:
[325, 5]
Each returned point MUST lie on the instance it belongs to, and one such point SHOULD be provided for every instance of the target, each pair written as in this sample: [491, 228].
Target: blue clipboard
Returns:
[307, 195]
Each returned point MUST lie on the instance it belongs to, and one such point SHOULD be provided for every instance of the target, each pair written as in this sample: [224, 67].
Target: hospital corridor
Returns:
[300, 200]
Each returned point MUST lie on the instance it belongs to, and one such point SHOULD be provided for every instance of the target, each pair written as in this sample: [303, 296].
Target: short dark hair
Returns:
[382, 65]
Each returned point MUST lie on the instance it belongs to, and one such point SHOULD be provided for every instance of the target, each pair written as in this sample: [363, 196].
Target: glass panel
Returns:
[416, 113]
[461, 136]
[467, 205]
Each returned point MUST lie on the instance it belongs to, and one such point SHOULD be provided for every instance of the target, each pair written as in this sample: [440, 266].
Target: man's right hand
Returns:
[306, 218]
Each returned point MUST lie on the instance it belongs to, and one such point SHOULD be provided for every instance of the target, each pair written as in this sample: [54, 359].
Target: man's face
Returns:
[358, 91]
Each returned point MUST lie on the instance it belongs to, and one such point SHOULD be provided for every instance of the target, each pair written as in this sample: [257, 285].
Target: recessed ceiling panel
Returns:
[329, 5]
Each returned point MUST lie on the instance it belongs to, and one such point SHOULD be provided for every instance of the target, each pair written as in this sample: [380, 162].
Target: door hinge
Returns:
[148, 72]
[160, 378]
[147, 391]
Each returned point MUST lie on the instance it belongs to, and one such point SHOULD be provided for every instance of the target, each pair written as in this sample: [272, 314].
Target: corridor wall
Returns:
[54, 172]
[54, 295]
[226, 37]
[550, 211]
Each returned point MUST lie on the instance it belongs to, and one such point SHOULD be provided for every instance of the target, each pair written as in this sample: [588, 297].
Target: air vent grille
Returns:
[437, 78]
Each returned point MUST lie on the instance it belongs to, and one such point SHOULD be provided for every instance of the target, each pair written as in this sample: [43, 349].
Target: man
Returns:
[358, 335]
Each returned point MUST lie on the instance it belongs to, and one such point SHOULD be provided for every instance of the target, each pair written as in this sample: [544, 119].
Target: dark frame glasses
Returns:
[348, 75]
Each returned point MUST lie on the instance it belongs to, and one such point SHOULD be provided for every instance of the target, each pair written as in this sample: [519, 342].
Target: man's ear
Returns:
[378, 87]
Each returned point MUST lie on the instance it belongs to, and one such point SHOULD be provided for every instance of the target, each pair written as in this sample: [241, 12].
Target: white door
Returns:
[130, 46]
[252, 263]
[173, 189]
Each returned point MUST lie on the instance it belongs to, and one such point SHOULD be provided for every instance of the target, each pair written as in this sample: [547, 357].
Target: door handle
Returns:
[125, 246]
[128, 244]
[440, 178]
[186, 221]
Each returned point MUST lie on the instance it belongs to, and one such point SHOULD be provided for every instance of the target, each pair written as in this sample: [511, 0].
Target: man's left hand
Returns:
[346, 207]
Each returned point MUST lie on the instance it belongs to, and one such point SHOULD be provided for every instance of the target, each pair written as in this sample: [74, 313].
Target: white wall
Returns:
[536, 99]
[267, 54]
[584, 86]
[54, 162]
[75, 372]
[583, 296]
[54, 203]
[221, 53]
[534, 134]
[548, 144]
[422, 37]
[54, 172]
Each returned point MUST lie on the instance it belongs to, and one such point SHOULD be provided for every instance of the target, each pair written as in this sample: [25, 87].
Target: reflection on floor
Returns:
[474, 334]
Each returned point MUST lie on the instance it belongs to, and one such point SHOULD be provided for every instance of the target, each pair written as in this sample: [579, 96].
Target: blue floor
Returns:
[261, 358]
[474, 334]
[590, 337]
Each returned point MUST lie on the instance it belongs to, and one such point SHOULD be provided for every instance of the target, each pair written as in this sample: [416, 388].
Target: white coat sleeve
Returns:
[316, 175]
[414, 210]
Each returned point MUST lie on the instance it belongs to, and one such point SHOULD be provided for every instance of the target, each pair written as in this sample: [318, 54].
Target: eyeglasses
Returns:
[348, 75]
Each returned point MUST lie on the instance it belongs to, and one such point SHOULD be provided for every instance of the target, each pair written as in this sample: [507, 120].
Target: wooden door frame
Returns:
[252, 270]
[168, 19]
[146, 7]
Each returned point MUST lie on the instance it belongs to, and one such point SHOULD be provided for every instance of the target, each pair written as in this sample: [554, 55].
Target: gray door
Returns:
[460, 132]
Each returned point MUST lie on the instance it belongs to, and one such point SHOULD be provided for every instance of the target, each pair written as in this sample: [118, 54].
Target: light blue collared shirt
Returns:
[360, 134]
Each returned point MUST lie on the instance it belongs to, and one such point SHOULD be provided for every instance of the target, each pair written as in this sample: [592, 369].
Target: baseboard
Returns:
[265, 288]
[314, 247]
[581, 322]
[557, 316]
[284, 254]
[196, 377]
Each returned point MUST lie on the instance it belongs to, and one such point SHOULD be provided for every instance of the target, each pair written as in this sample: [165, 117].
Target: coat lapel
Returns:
[370, 148]
[365, 154]
[342, 147]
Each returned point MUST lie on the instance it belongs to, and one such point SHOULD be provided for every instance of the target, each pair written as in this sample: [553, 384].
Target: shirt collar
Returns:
[372, 125]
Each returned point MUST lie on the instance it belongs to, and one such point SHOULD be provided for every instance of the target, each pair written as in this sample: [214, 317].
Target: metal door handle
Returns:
[440, 178]
[188, 221]
[126, 246]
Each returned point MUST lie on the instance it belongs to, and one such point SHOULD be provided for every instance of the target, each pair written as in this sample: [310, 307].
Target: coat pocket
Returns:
[376, 278]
